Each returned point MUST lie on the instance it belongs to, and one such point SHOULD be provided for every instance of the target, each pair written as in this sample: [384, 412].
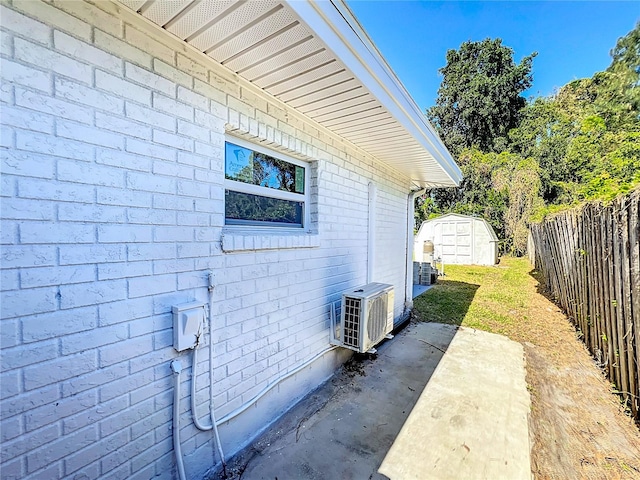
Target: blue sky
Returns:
[572, 38]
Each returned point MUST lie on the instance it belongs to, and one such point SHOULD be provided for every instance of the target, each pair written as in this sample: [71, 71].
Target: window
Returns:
[264, 188]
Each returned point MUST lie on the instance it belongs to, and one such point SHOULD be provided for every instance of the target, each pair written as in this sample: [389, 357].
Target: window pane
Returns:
[245, 208]
[245, 165]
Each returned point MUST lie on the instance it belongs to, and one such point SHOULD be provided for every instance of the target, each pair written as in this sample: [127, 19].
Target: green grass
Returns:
[495, 299]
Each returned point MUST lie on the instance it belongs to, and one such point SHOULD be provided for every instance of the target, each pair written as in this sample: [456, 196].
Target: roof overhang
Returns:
[317, 59]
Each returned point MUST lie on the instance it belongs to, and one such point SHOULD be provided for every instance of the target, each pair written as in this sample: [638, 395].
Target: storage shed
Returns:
[459, 239]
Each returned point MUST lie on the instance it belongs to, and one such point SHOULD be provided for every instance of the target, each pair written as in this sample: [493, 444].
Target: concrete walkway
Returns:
[437, 402]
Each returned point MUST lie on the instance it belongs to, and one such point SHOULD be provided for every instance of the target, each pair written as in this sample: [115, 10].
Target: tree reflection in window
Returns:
[247, 166]
[244, 208]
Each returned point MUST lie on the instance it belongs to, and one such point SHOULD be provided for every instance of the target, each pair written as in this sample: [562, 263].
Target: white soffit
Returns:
[315, 57]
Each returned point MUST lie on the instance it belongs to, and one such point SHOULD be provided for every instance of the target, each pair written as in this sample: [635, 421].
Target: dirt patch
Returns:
[578, 426]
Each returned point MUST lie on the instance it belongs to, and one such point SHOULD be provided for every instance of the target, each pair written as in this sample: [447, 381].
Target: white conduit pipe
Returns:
[176, 367]
[272, 384]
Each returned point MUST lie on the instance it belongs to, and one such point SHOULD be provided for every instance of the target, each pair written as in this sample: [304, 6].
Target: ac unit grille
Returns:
[377, 320]
[351, 324]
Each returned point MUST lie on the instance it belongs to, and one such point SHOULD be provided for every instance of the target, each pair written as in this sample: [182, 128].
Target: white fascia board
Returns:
[334, 24]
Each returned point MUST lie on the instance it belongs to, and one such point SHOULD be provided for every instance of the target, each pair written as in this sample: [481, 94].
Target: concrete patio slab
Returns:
[437, 402]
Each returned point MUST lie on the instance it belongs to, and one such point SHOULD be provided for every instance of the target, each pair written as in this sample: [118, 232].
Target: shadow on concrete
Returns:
[344, 429]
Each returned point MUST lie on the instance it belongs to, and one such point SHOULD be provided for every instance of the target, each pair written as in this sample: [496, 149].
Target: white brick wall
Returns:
[112, 212]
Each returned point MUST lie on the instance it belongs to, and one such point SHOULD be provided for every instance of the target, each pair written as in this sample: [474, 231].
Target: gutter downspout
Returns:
[408, 291]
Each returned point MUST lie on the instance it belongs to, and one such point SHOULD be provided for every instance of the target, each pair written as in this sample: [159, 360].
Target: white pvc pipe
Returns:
[212, 412]
[176, 367]
[270, 385]
[194, 413]
[371, 232]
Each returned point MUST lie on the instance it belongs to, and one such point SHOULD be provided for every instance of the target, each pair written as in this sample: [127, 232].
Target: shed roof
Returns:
[316, 58]
[460, 216]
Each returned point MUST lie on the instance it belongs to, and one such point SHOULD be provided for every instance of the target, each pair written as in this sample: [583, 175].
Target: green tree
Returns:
[479, 99]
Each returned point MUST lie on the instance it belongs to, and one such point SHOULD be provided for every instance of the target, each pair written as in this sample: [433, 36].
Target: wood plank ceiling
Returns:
[265, 42]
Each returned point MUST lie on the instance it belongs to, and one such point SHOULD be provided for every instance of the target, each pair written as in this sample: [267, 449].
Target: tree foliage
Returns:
[479, 99]
[521, 159]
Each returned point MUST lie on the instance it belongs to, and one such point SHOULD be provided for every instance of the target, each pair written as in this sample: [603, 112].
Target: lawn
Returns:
[495, 299]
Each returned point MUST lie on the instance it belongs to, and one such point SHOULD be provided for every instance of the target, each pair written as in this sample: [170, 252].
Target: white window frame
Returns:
[270, 192]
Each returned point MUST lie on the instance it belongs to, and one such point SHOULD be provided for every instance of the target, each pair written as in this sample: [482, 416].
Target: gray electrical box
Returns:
[188, 324]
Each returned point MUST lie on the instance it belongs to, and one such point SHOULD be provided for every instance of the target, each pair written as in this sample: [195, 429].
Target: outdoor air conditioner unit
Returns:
[365, 318]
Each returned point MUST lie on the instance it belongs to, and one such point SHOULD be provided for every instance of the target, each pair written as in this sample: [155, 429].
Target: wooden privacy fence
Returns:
[589, 259]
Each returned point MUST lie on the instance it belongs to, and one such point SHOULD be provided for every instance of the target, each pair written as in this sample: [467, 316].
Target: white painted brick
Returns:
[150, 149]
[151, 217]
[49, 276]
[11, 386]
[172, 202]
[91, 174]
[193, 189]
[27, 256]
[9, 234]
[22, 355]
[125, 385]
[186, 250]
[142, 287]
[151, 117]
[109, 271]
[26, 209]
[25, 75]
[190, 280]
[88, 134]
[42, 327]
[88, 96]
[93, 453]
[171, 140]
[47, 59]
[127, 417]
[148, 44]
[86, 52]
[52, 106]
[123, 234]
[120, 125]
[127, 198]
[91, 380]
[151, 252]
[6, 137]
[110, 462]
[117, 158]
[20, 24]
[193, 131]
[6, 44]
[59, 449]
[193, 219]
[28, 302]
[95, 414]
[90, 213]
[150, 79]
[81, 254]
[172, 266]
[187, 95]
[173, 234]
[149, 456]
[188, 158]
[122, 88]
[59, 369]
[172, 107]
[52, 412]
[101, 336]
[125, 350]
[50, 145]
[156, 420]
[151, 183]
[209, 121]
[24, 443]
[10, 428]
[209, 91]
[172, 73]
[9, 280]
[172, 169]
[82, 294]
[121, 49]
[91, 15]
[36, 232]
[27, 119]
